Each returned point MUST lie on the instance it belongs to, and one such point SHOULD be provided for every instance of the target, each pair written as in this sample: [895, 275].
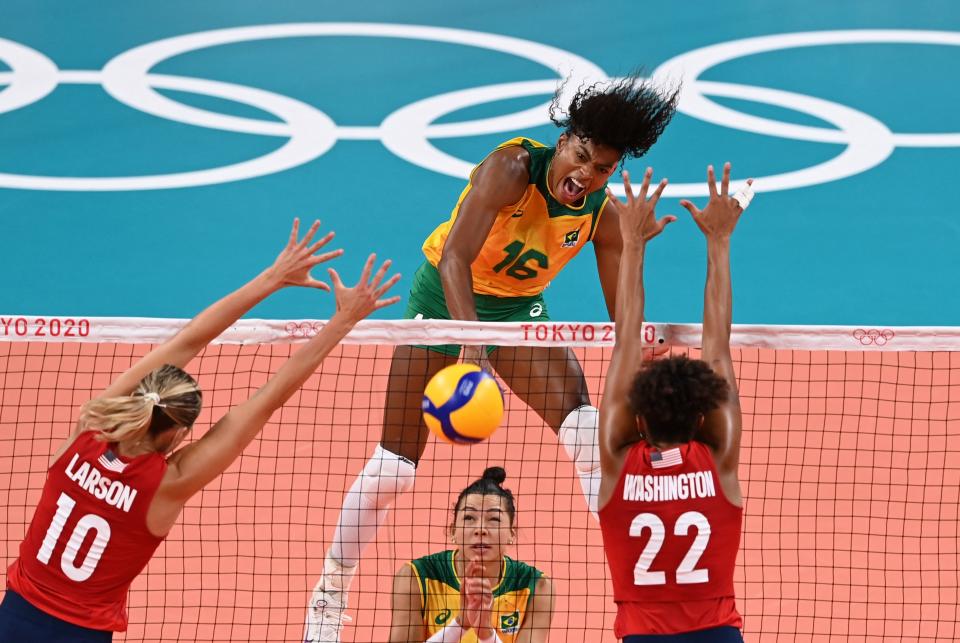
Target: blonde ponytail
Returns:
[167, 397]
[118, 419]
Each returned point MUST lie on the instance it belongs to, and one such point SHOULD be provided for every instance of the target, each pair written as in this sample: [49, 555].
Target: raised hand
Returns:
[293, 265]
[638, 221]
[718, 219]
[356, 302]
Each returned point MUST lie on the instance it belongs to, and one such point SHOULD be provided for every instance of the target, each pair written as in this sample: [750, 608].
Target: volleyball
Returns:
[462, 404]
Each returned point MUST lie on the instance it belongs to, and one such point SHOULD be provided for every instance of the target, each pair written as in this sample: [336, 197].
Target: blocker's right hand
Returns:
[722, 212]
[293, 265]
[356, 302]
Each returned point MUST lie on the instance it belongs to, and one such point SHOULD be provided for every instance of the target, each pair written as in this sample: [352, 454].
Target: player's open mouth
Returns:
[571, 189]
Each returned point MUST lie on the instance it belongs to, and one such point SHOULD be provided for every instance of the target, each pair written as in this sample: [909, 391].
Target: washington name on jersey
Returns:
[661, 488]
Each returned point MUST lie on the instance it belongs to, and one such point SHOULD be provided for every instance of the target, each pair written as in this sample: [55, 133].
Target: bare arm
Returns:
[292, 267]
[192, 467]
[618, 425]
[608, 246]
[536, 625]
[722, 427]
[499, 181]
[406, 623]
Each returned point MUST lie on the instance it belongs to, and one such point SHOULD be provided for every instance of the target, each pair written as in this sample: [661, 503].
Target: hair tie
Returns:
[153, 397]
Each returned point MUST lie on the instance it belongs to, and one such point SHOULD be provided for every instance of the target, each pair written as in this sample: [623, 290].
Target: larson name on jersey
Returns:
[89, 478]
[663, 488]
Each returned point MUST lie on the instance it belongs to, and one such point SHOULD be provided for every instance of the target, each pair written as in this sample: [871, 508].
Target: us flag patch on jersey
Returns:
[109, 460]
[664, 459]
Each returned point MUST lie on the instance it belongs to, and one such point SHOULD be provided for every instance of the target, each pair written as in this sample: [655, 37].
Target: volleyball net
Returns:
[850, 470]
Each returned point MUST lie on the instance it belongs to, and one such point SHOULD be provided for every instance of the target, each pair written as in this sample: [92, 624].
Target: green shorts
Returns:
[428, 302]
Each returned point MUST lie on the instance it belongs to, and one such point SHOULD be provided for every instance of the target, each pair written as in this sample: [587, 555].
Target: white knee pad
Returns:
[579, 435]
[365, 507]
[385, 476]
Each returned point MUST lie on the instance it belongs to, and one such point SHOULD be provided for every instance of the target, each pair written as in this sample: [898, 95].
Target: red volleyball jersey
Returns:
[671, 539]
[88, 538]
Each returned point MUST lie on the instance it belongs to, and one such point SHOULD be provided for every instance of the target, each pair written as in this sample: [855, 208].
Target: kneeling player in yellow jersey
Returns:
[473, 593]
[527, 210]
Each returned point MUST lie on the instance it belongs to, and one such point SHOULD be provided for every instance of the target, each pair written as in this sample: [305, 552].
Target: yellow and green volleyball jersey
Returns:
[440, 594]
[531, 240]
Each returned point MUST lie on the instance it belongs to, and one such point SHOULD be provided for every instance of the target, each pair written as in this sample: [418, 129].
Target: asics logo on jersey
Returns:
[536, 310]
[442, 617]
[517, 214]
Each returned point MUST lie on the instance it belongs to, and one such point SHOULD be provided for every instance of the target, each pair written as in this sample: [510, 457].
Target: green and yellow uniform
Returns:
[530, 241]
[440, 594]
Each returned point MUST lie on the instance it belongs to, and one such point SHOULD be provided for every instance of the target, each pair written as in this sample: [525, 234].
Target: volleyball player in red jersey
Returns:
[670, 445]
[116, 487]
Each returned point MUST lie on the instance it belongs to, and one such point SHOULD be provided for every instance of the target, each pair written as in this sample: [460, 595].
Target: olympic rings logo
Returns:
[408, 132]
[873, 336]
[303, 329]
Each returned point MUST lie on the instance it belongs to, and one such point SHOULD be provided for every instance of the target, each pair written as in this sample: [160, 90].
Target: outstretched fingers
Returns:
[711, 182]
[326, 256]
[383, 303]
[381, 289]
[387, 285]
[691, 208]
[627, 187]
[367, 269]
[307, 238]
[725, 181]
[316, 283]
[377, 278]
[665, 221]
[322, 242]
[294, 233]
[335, 278]
[645, 186]
[659, 191]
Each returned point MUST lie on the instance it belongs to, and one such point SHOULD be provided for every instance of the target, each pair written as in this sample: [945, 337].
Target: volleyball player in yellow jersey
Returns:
[474, 592]
[527, 210]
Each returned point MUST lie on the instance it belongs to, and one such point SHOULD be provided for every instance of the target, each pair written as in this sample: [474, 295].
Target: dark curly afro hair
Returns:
[671, 394]
[628, 114]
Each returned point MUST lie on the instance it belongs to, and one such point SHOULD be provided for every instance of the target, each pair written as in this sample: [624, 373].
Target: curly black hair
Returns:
[628, 114]
[671, 394]
[490, 484]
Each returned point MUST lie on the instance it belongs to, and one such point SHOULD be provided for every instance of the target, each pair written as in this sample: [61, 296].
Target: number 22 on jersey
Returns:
[686, 572]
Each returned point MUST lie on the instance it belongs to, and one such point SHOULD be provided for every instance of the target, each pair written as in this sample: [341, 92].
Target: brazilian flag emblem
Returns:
[510, 623]
[442, 617]
[570, 239]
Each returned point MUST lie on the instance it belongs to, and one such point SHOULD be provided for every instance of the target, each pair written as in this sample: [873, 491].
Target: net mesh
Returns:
[850, 471]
